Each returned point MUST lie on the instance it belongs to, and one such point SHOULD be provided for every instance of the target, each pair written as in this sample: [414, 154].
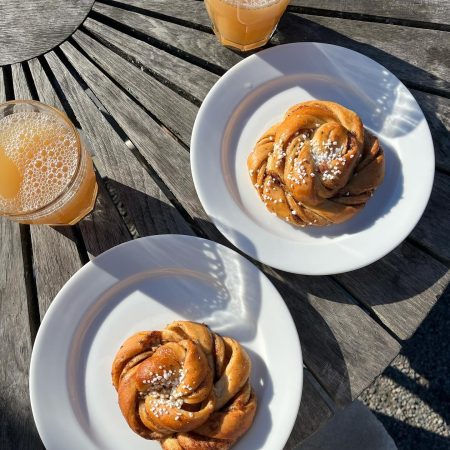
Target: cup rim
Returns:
[66, 119]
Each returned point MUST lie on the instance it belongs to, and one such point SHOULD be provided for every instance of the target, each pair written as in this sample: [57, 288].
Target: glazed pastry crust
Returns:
[185, 386]
[318, 166]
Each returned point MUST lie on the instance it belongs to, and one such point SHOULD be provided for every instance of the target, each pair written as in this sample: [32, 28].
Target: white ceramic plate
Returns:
[254, 95]
[144, 285]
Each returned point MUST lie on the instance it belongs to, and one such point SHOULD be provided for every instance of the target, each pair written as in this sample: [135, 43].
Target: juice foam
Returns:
[38, 159]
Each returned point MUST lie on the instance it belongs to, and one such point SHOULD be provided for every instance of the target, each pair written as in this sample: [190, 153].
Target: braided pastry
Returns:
[318, 166]
[185, 386]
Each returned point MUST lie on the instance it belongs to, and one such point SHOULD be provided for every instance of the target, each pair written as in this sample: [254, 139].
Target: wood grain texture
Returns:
[55, 254]
[342, 346]
[175, 37]
[43, 86]
[400, 289]
[103, 228]
[313, 413]
[147, 210]
[17, 429]
[21, 89]
[173, 111]
[420, 61]
[55, 258]
[175, 72]
[30, 28]
[435, 11]
[432, 230]
[189, 11]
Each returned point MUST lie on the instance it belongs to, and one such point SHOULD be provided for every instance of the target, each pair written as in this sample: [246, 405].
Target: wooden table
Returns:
[132, 78]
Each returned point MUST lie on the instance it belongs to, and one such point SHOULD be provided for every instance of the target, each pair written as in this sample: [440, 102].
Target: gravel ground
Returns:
[412, 396]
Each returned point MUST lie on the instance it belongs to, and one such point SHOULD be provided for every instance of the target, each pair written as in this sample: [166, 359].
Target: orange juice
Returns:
[245, 24]
[46, 175]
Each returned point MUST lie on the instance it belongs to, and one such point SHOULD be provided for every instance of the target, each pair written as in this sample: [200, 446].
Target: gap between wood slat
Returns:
[186, 95]
[59, 92]
[426, 89]
[158, 44]
[428, 250]
[368, 18]
[30, 82]
[81, 246]
[367, 310]
[157, 15]
[63, 58]
[30, 281]
[307, 10]
[7, 79]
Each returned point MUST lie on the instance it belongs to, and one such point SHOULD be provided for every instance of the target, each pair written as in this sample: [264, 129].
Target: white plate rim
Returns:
[226, 224]
[42, 421]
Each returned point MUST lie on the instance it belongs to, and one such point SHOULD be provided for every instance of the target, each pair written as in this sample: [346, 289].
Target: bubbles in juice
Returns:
[38, 159]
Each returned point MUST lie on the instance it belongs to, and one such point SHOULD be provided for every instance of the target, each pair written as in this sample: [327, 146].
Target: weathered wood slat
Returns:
[21, 89]
[437, 112]
[103, 228]
[55, 258]
[134, 80]
[146, 207]
[399, 300]
[174, 71]
[172, 110]
[344, 359]
[421, 61]
[55, 254]
[436, 11]
[28, 29]
[190, 11]
[193, 42]
[435, 108]
[172, 164]
[17, 429]
[432, 229]
[175, 160]
[313, 413]
[43, 86]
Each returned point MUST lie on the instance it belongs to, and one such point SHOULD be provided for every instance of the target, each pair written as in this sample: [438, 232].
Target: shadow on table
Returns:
[17, 429]
[426, 376]
[322, 352]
